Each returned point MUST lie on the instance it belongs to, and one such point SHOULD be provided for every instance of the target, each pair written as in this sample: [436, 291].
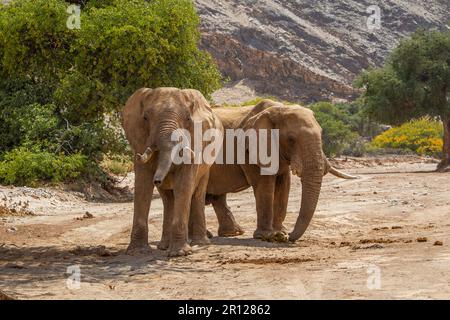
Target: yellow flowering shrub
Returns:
[422, 136]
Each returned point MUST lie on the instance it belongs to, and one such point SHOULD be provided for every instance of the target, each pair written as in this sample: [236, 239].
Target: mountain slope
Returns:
[308, 50]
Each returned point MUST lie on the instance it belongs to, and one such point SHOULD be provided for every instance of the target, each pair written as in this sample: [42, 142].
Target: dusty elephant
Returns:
[300, 151]
[150, 118]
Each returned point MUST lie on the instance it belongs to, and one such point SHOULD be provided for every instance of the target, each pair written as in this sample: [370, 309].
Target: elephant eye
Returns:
[145, 117]
[291, 140]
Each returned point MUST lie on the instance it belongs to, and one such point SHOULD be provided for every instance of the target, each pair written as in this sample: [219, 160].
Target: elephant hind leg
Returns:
[197, 222]
[228, 227]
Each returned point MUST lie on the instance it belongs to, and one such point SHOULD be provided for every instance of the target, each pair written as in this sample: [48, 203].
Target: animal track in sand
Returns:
[263, 261]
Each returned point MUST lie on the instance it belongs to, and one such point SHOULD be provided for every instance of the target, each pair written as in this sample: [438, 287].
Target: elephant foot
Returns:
[204, 241]
[271, 236]
[281, 229]
[279, 236]
[230, 231]
[138, 249]
[163, 244]
[180, 250]
[261, 234]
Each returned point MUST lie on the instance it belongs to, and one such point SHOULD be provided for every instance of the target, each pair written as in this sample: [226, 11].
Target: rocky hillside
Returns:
[308, 50]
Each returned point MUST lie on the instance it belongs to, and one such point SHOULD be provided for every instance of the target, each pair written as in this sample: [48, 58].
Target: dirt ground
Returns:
[383, 236]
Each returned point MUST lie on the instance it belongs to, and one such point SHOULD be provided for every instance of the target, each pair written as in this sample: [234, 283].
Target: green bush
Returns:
[423, 136]
[118, 165]
[22, 98]
[28, 167]
[336, 134]
[34, 39]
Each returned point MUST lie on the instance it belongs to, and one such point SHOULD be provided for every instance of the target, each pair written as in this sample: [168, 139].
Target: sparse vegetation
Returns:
[118, 165]
[423, 136]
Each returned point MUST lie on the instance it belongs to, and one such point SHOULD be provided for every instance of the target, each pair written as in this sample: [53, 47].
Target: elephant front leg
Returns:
[183, 191]
[282, 187]
[168, 202]
[228, 227]
[142, 199]
[197, 221]
[264, 194]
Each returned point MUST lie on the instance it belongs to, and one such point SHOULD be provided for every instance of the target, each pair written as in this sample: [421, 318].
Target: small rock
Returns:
[345, 244]
[333, 243]
[438, 243]
[88, 215]
[103, 252]
[422, 239]
[12, 229]
[375, 246]
[396, 227]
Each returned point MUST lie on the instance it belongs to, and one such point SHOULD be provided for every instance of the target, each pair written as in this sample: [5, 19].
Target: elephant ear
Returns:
[263, 123]
[134, 125]
[200, 109]
[201, 112]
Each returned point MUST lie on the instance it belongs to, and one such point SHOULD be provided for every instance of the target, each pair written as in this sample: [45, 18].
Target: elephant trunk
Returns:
[163, 167]
[165, 148]
[312, 175]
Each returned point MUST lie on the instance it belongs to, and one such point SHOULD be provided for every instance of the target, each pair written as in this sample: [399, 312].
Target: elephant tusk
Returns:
[190, 151]
[340, 174]
[146, 156]
[296, 172]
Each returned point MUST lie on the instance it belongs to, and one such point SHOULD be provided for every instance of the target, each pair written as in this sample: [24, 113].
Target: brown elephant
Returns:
[150, 118]
[300, 151]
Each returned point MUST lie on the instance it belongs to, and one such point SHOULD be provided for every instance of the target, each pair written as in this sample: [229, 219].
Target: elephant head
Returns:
[152, 115]
[300, 146]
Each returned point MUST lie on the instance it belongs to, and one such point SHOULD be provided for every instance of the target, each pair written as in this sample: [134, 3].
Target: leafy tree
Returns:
[415, 82]
[131, 44]
[71, 84]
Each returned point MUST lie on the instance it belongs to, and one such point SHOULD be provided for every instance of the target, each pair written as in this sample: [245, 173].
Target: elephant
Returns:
[300, 151]
[150, 118]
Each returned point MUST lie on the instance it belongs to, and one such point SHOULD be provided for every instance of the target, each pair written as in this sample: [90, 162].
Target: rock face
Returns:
[308, 50]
